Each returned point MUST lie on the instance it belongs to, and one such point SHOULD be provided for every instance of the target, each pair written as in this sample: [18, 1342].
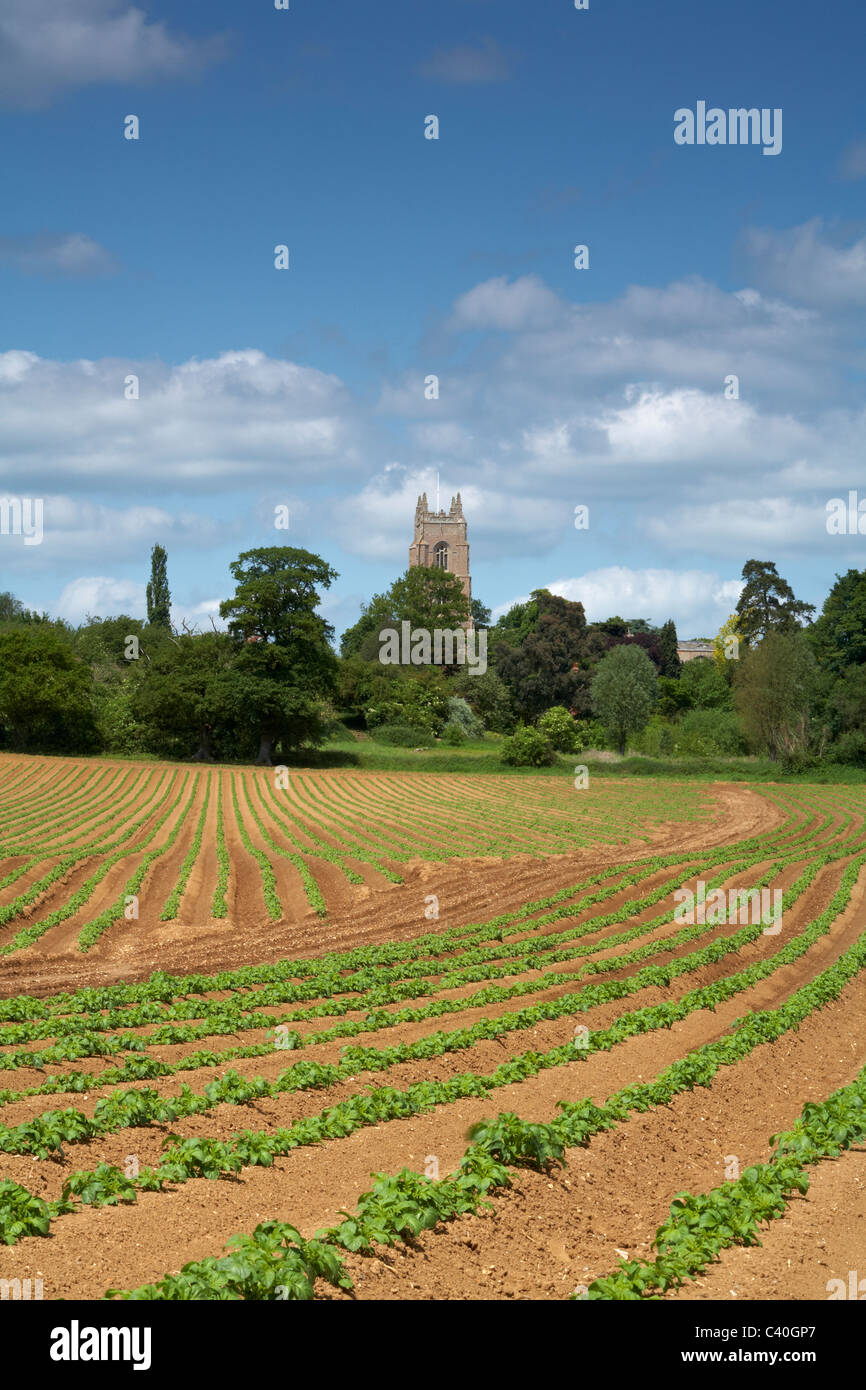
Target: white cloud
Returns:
[730, 523]
[525, 303]
[803, 265]
[684, 426]
[102, 596]
[48, 49]
[214, 424]
[106, 597]
[376, 522]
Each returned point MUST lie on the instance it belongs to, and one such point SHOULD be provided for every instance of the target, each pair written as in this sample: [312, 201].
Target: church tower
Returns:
[440, 540]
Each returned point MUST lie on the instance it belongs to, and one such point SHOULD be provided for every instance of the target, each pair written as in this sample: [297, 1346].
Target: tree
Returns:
[767, 603]
[284, 665]
[700, 686]
[158, 595]
[425, 597]
[773, 691]
[188, 696]
[670, 662]
[847, 710]
[12, 610]
[546, 667]
[726, 643]
[522, 618]
[488, 697]
[848, 700]
[481, 614]
[362, 638]
[623, 692]
[45, 693]
[838, 636]
[461, 716]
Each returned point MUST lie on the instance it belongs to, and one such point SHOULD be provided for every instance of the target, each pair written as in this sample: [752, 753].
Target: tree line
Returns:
[271, 681]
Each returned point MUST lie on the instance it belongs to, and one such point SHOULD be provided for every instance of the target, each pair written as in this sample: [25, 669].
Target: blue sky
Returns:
[410, 257]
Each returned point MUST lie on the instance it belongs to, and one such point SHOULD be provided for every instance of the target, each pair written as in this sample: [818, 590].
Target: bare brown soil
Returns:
[550, 1232]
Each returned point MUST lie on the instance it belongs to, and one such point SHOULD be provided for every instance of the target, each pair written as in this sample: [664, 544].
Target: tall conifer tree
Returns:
[158, 594]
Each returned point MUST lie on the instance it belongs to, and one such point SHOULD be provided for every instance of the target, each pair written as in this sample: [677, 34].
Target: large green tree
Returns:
[188, 697]
[774, 691]
[838, 636]
[46, 702]
[284, 665]
[548, 667]
[623, 692]
[423, 596]
[767, 603]
[158, 595]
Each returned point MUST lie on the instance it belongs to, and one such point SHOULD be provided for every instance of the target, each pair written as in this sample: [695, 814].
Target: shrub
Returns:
[707, 733]
[453, 735]
[461, 715]
[590, 734]
[402, 736]
[849, 747]
[559, 729]
[657, 739]
[488, 698]
[527, 748]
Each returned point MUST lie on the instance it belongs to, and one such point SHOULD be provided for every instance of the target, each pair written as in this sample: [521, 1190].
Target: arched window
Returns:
[440, 555]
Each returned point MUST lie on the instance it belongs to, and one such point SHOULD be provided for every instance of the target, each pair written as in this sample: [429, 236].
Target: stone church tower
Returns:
[440, 540]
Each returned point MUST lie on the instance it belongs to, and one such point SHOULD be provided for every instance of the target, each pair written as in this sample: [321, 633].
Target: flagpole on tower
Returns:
[437, 491]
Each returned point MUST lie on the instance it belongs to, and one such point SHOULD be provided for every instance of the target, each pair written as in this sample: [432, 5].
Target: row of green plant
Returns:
[53, 807]
[316, 849]
[219, 906]
[76, 855]
[47, 1133]
[115, 819]
[312, 890]
[19, 1033]
[92, 930]
[399, 1207]
[81, 896]
[39, 1006]
[383, 985]
[269, 883]
[701, 1226]
[356, 849]
[169, 912]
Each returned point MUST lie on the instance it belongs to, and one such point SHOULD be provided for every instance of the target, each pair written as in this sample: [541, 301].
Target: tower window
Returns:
[440, 555]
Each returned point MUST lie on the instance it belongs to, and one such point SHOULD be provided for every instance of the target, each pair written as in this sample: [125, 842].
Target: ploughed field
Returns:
[421, 1036]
